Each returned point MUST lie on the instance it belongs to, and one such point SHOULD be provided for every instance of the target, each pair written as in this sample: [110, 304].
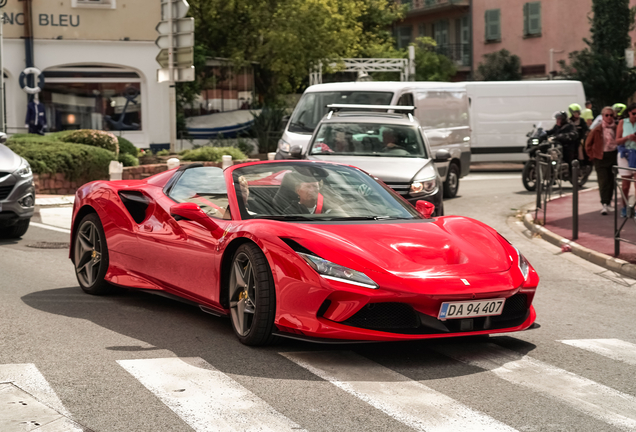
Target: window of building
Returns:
[441, 33]
[493, 25]
[421, 30]
[404, 36]
[532, 19]
[106, 4]
[92, 97]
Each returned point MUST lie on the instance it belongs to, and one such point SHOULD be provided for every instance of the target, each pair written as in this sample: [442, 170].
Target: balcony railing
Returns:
[458, 53]
[420, 5]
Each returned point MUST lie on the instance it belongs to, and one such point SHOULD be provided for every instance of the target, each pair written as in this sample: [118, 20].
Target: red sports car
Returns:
[302, 249]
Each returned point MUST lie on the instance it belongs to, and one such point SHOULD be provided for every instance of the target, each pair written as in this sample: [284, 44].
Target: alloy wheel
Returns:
[88, 253]
[242, 294]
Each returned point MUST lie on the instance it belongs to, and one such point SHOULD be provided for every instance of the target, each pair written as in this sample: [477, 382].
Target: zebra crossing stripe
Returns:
[582, 394]
[407, 401]
[614, 349]
[204, 397]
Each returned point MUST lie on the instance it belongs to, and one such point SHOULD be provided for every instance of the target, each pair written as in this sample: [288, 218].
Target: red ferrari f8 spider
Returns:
[303, 249]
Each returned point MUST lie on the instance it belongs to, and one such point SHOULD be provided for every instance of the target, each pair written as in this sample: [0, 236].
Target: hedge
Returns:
[127, 147]
[128, 159]
[96, 138]
[76, 161]
[211, 154]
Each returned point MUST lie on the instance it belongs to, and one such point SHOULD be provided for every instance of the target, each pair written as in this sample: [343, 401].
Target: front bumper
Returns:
[13, 190]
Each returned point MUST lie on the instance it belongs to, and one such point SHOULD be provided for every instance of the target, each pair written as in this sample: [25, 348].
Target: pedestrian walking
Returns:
[600, 147]
[626, 145]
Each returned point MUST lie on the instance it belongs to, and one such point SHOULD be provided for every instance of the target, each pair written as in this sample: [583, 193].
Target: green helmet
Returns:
[574, 107]
[587, 114]
[619, 108]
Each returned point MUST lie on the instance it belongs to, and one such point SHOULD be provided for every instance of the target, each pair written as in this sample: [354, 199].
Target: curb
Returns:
[600, 259]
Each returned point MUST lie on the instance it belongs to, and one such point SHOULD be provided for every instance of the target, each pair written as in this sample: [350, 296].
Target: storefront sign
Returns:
[53, 20]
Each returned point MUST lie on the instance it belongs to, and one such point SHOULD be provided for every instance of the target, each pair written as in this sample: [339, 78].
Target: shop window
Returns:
[532, 19]
[92, 98]
[107, 4]
[493, 25]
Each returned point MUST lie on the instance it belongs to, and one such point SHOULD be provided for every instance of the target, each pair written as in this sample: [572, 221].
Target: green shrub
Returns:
[163, 152]
[128, 159]
[76, 161]
[212, 154]
[127, 147]
[95, 138]
[244, 146]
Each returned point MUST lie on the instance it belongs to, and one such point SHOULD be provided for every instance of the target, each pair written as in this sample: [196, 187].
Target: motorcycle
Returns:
[539, 142]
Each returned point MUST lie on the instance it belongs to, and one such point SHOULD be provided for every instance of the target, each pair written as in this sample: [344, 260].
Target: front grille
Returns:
[385, 316]
[401, 188]
[403, 319]
[5, 191]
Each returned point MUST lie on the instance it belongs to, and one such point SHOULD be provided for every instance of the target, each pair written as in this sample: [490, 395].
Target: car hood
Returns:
[387, 169]
[441, 247]
[9, 161]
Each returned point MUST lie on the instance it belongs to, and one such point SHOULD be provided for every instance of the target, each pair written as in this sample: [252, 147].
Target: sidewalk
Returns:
[55, 210]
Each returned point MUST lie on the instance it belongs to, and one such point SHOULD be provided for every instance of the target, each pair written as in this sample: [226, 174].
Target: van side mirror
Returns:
[425, 208]
[442, 156]
[283, 122]
[296, 152]
[192, 212]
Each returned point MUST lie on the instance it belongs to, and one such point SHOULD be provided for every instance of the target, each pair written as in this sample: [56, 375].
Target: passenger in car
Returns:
[391, 143]
[310, 200]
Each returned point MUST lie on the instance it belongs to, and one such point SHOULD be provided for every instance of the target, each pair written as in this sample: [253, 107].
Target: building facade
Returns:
[446, 21]
[98, 62]
[540, 32]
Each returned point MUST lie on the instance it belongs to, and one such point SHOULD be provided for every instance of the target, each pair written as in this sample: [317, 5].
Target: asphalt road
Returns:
[137, 362]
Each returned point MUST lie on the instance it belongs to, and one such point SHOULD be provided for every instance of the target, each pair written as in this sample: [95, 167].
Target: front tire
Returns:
[90, 255]
[529, 176]
[252, 296]
[18, 230]
[451, 185]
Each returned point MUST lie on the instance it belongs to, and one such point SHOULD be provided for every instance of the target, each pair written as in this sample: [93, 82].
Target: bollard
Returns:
[173, 163]
[575, 200]
[227, 161]
[271, 155]
[115, 169]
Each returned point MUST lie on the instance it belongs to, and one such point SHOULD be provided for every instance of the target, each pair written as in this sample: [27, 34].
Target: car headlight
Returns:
[524, 265]
[535, 141]
[24, 170]
[336, 272]
[284, 145]
[424, 186]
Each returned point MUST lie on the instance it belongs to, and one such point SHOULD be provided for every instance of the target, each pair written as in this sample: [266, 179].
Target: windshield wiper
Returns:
[301, 126]
[285, 217]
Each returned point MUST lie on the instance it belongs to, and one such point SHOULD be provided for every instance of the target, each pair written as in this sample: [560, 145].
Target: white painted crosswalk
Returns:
[407, 401]
[207, 399]
[204, 397]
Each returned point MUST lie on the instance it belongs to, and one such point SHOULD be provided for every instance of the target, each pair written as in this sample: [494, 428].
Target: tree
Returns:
[601, 67]
[429, 65]
[500, 66]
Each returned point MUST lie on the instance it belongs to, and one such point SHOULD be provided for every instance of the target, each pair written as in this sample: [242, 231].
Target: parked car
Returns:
[388, 145]
[308, 250]
[442, 111]
[17, 192]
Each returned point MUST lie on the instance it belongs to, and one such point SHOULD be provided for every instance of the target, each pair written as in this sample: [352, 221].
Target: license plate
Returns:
[471, 309]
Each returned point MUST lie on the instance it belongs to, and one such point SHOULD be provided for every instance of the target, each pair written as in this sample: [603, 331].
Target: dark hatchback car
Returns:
[17, 192]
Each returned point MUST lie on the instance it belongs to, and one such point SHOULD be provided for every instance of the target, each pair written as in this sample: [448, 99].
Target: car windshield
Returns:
[368, 139]
[313, 106]
[300, 191]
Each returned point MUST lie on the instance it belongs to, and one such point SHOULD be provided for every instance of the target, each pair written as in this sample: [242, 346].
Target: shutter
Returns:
[534, 18]
[493, 25]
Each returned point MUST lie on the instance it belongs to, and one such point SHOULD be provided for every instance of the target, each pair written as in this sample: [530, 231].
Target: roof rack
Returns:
[395, 108]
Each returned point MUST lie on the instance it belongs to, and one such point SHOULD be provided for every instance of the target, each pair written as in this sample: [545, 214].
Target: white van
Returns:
[441, 109]
[503, 112]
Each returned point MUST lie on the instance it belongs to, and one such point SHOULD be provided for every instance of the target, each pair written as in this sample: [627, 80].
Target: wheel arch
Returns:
[81, 213]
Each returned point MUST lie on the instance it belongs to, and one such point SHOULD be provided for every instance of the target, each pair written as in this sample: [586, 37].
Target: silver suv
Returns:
[387, 145]
[17, 192]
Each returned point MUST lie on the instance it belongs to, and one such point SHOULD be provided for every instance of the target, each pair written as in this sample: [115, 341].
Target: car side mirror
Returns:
[283, 122]
[192, 212]
[425, 208]
[296, 152]
[3, 137]
[442, 156]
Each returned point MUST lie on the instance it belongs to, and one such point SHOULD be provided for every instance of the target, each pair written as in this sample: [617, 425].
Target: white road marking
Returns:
[615, 349]
[582, 394]
[28, 378]
[204, 397]
[49, 227]
[407, 401]
[491, 177]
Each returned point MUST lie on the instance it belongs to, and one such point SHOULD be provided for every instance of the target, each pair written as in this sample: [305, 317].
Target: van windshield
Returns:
[313, 106]
[368, 139]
